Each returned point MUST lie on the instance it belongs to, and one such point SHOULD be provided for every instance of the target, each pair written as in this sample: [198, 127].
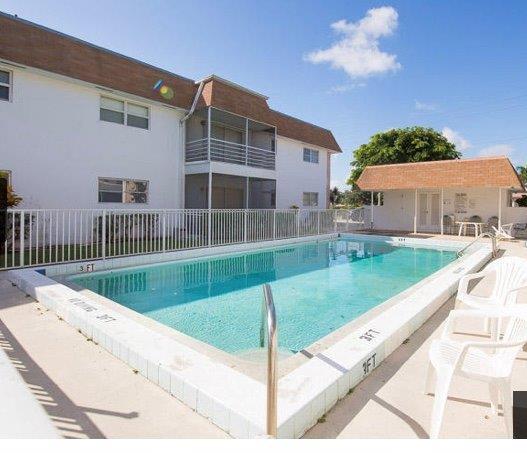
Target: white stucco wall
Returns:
[397, 213]
[294, 176]
[56, 147]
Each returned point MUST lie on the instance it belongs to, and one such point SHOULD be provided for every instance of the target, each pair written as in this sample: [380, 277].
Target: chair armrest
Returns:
[458, 363]
[466, 279]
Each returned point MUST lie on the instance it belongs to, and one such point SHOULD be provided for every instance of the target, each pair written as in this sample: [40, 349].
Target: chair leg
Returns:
[441, 393]
[494, 397]
[430, 377]
[506, 396]
[487, 326]
[494, 329]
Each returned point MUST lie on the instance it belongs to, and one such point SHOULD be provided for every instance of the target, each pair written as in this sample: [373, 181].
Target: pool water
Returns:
[317, 288]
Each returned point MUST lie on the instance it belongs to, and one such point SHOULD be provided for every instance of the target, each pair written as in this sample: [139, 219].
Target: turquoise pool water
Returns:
[317, 288]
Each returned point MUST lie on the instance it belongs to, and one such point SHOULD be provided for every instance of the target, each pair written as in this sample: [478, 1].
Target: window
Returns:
[310, 199]
[114, 190]
[123, 112]
[5, 85]
[112, 110]
[137, 116]
[311, 155]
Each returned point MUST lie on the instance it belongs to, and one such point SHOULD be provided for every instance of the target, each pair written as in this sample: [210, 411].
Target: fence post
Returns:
[104, 234]
[245, 226]
[318, 222]
[164, 234]
[209, 229]
[22, 236]
[298, 222]
[274, 224]
[335, 216]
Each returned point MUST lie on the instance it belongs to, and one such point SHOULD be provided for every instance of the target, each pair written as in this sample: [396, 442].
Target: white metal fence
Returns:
[46, 236]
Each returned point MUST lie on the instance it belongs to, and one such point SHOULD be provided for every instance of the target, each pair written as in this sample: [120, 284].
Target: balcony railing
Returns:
[229, 152]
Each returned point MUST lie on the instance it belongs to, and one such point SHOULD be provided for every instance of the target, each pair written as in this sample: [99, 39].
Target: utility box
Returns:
[519, 415]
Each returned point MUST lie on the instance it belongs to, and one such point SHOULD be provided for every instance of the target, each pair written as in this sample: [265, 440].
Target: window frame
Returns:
[125, 111]
[123, 182]
[8, 85]
[310, 195]
[311, 152]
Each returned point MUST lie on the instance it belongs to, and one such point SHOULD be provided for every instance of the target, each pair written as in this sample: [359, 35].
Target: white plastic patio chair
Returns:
[504, 231]
[486, 361]
[510, 277]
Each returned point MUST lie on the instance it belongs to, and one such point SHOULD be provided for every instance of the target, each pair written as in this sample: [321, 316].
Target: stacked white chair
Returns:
[488, 361]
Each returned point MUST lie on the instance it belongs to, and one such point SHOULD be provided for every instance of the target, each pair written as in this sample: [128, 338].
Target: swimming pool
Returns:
[318, 287]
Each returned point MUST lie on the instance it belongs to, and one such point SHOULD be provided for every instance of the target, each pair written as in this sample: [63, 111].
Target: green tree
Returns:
[522, 171]
[335, 196]
[12, 198]
[409, 144]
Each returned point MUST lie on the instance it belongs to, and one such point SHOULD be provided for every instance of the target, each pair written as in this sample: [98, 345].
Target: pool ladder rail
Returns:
[269, 324]
[493, 239]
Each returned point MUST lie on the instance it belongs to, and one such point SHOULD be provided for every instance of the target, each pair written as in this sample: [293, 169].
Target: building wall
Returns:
[56, 146]
[397, 212]
[294, 176]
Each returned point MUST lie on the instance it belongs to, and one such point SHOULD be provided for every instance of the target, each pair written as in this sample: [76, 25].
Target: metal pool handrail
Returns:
[269, 320]
[482, 235]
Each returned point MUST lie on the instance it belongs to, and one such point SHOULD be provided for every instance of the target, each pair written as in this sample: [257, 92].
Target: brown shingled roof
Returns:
[33, 45]
[227, 96]
[480, 172]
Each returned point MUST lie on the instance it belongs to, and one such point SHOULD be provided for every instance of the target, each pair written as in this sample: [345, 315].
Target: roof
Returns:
[479, 172]
[33, 45]
[227, 96]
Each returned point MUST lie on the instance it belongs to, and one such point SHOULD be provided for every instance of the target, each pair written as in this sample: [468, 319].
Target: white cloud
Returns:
[501, 149]
[357, 52]
[345, 88]
[462, 144]
[424, 107]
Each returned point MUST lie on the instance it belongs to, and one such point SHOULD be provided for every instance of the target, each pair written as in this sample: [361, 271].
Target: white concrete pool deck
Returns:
[69, 376]
[86, 391]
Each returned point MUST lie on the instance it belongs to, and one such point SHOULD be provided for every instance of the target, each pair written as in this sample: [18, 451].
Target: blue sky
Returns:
[457, 66]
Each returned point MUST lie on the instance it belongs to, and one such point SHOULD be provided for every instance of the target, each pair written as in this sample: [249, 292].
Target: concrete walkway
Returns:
[87, 392]
[391, 403]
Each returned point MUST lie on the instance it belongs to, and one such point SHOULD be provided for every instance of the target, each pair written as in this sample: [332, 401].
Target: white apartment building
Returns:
[84, 127]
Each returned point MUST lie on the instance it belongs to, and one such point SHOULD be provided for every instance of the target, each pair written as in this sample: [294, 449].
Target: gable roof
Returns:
[479, 172]
[32, 45]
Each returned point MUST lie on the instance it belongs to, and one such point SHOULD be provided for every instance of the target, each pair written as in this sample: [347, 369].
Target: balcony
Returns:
[217, 136]
[230, 152]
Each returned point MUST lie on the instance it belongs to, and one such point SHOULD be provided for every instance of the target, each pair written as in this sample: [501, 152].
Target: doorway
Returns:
[429, 211]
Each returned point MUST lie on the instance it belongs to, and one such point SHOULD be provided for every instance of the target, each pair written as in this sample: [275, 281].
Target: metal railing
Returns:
[269, 324]
[229, 152]
[49, 236]
[482, 235]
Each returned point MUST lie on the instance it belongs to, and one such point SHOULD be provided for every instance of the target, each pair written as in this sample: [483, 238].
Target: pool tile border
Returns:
[232, 400]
